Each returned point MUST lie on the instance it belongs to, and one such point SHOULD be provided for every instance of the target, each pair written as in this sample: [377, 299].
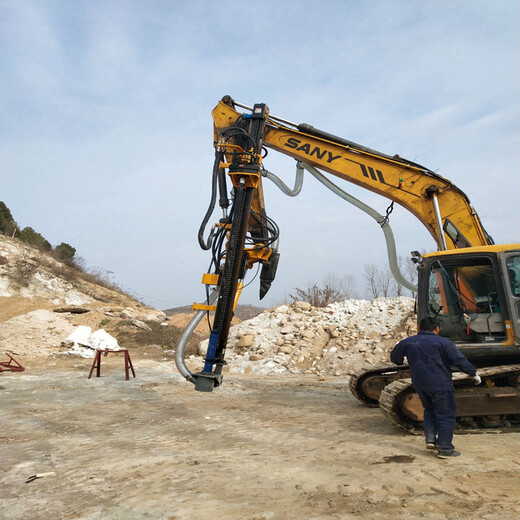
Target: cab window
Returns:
[463, 296]
[513, 274]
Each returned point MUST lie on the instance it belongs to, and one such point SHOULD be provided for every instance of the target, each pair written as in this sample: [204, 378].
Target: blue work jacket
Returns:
[431, 359]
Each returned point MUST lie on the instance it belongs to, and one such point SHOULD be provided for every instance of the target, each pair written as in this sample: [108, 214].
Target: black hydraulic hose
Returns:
[222, 188]
[236, 130]
[207, 245]
[273, 231]
[217, 251]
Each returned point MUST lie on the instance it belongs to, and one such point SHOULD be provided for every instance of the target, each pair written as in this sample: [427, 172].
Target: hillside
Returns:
[42, 301]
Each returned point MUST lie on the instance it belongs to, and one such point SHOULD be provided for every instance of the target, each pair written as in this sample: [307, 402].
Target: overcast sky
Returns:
[106, 129]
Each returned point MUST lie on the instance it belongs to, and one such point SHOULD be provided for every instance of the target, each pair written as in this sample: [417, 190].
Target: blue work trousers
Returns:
[439, 417]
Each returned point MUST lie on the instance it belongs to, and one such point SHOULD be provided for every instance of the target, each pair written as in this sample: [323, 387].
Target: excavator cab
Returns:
[472, 293]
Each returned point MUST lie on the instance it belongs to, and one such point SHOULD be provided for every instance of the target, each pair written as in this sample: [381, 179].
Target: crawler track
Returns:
[366, 386]
[493, 405]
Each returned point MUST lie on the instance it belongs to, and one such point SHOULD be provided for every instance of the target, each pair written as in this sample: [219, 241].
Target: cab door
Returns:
[510, 263]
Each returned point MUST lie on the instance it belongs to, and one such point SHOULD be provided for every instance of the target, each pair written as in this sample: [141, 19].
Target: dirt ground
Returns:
[258, 448]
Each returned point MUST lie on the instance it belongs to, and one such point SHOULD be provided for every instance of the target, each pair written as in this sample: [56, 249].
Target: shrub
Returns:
[7, 224]
[65, 253]
[31, 237]
[20, 276]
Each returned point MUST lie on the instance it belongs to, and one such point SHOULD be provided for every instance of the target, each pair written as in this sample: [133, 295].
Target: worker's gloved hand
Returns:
[477, 379]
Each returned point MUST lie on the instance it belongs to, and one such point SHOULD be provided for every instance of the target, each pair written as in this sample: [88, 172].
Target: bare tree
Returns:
[371, 275]
[385, 280]
[345, 285]
[332, 290]
[409, 270]
[315, 295]
[401, 263]
[378, 282]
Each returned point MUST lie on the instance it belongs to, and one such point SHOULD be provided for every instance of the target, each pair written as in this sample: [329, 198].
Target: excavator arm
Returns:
[245, 236]
[443, 209]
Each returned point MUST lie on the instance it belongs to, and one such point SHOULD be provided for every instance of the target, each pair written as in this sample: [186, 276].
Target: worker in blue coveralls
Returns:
[431, 358]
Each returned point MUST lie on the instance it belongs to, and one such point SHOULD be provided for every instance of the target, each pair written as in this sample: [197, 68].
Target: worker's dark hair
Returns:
[429, 323]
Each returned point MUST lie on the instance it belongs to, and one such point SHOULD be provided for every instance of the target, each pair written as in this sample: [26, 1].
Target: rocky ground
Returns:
[282, 438]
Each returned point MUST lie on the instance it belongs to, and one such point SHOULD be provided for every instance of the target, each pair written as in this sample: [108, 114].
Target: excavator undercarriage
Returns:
[494, 404]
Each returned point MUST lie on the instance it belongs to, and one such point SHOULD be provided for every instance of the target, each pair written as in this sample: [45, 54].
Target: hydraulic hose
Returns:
[207, 245]
[298, 181]
[188, 331]
[380, 219]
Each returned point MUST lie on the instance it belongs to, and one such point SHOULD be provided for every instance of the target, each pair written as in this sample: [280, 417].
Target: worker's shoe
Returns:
[430, 445]
[447, 454]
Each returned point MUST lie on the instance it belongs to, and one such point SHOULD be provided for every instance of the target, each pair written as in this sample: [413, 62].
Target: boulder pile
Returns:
[336, 340]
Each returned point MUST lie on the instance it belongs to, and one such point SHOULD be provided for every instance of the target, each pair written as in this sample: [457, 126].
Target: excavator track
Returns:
[494, 405]
[366, 386]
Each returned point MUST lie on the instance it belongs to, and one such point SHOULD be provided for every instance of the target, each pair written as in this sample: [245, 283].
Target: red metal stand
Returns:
[11, 366]
[97, 362]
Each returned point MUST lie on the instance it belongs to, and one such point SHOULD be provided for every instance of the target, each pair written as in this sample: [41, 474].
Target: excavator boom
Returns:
[443, 209]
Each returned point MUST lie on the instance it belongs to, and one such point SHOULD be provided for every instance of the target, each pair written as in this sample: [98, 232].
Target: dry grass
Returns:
[166, 337]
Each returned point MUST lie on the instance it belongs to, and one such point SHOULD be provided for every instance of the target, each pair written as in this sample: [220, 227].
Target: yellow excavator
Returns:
[470, 284]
